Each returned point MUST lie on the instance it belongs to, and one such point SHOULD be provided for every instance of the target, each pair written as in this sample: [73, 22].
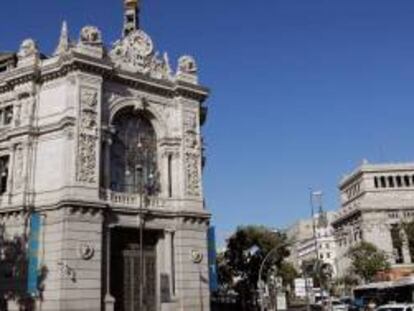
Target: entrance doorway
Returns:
[126, 269]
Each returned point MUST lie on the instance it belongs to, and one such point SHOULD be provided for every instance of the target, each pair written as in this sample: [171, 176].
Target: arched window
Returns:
[133, 154]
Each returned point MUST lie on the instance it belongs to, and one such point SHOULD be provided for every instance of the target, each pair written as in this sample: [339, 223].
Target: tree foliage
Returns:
[367, 260]
[239, 265]
[289, 273]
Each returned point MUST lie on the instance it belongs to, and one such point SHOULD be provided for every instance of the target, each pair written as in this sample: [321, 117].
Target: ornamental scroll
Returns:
[192, 155]
[88, 135]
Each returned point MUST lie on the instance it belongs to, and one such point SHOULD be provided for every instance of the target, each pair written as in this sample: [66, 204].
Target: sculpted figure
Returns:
[27, 48]
[187, 64]
[90, 35]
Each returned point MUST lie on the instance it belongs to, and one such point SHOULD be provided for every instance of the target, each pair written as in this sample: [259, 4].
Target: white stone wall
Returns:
[61, 130]
[192, 279]
[73, 282]
[369, 210]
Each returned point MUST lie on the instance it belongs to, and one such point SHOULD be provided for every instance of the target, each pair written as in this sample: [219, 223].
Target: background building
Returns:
[313, 243]
[100, 168]
[375, 200]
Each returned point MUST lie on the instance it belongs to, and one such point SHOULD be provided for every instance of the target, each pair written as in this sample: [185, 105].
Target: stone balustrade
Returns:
[131, 200]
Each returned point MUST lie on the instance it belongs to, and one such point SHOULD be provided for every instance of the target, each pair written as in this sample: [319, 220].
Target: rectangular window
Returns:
[8, 115]
[170, 194]
[4, 173]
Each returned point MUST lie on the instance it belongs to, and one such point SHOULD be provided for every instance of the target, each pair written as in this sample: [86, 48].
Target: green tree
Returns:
[367, 260]
[289, 273]
[246, 249]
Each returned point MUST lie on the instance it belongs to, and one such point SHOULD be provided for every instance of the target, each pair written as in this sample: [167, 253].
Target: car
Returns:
[338, 305]
[396, 307]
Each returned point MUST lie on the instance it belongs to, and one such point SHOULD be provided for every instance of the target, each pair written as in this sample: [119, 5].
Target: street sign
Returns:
[303, 287]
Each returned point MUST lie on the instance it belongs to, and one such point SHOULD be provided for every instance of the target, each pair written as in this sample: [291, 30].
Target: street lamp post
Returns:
[260, 284]
[146, 187]
[141, 240]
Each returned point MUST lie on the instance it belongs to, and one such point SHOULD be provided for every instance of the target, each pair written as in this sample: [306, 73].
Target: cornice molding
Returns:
[73, 62]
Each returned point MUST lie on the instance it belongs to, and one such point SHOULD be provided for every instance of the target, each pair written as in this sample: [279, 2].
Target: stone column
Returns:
[405, 248]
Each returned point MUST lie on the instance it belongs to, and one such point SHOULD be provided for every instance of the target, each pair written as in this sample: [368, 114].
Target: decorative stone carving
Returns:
[187, 65]
[135, 53]
[190, 131]
[88, 135]
[192, 154]
[192, 174]
[90, 42]
[196, 256]
[86, 251]
[64, 44]
[18, 168]
[66, 271]
[187, 70]
[90, 35]
[28, 48]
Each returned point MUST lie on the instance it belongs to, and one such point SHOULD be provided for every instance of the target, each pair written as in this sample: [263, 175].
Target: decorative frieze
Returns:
[192, 174]
[88, 135]
[192, 154]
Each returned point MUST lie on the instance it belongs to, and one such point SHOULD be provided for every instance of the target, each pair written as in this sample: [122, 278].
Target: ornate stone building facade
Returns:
[104, 146]
[375, 200]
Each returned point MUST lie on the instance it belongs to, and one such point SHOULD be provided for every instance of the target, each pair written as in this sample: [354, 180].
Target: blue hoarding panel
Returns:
[33, 253]
[212, 259]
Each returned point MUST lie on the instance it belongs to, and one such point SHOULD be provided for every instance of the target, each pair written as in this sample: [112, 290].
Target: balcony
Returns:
[131, 200]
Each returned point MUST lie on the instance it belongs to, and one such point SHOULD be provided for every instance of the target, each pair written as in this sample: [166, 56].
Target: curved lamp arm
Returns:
[269, 254]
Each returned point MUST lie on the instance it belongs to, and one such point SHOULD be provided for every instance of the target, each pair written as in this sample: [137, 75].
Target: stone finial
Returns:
[90, 42]
[90, 35]
[187, 69]
[28, 54]
[187, 65]
[28, 48]
[167, 64]
[63, 45]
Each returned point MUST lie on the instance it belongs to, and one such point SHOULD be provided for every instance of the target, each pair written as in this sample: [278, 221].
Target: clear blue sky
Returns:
[302, 90]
